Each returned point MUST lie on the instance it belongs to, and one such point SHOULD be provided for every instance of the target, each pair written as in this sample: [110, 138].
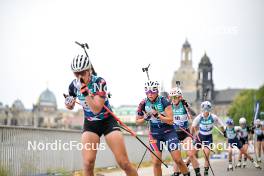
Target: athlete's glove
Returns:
[84, 89]
[155, 112]
[225, 134]
[147, 116]
[69, 100]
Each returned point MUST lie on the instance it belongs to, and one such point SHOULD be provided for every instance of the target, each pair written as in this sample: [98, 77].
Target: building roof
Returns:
[47, 98]
[226, 96]
[18, 105]
[186, 44]
[205, 60]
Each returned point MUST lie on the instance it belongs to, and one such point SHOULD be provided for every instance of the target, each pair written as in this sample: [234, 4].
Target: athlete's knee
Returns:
[178, 161]
[156, 163]
[124, 164]
[89, 164]
[191, 156]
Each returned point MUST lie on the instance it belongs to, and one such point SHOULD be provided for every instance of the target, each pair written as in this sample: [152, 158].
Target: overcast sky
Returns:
[37, 43]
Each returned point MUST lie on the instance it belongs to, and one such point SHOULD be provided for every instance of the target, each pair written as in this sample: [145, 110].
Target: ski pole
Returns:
[144, 69]
[218, 130]
[84, 47]
[142, 159]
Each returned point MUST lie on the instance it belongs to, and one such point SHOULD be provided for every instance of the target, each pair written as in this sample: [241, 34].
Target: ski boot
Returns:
[238, 165]
[176, 174]
[206, 171]
[244, 164]
[256, 165]
[258, 160]
[197, 171]
[230, 167]
[188, 174]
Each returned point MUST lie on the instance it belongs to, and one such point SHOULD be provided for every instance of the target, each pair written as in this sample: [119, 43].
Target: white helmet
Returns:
[206, 106]
[151, 86]
[242, 120]
[80, 63]
[176, 91]
[257, 122]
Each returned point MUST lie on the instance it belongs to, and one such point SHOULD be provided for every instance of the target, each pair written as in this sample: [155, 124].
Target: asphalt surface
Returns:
[219, 166]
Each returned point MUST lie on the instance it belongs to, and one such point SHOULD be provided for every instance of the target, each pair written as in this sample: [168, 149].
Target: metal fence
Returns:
[19, 157]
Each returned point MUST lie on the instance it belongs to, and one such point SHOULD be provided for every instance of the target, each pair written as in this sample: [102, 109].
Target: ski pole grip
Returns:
[79, 44]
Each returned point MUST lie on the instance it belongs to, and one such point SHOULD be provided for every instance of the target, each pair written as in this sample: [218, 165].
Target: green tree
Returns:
[243, 105]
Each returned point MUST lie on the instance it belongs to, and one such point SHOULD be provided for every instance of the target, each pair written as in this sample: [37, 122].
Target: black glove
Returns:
[225, 134]
[147, 116]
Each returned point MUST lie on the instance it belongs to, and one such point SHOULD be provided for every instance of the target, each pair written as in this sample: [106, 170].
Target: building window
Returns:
[201, 75]
[209, 75]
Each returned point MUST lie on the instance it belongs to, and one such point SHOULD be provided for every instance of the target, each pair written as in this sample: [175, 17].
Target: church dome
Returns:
[186, 44]
[47, 98]
[205, 60]
[18, 105]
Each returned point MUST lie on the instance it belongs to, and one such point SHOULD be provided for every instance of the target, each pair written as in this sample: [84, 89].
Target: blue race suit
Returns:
[160, 132]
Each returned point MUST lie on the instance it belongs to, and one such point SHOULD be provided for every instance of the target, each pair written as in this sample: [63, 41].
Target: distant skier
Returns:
[231, 133]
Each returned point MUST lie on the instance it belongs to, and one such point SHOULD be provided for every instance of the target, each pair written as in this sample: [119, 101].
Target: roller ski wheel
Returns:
[206, 174]
[230, 169]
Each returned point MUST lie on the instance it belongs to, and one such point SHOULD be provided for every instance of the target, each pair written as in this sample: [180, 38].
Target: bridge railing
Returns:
[32, 151]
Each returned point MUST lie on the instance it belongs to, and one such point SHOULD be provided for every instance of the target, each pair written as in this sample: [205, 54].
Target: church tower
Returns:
[186, 54]
[205, 84]
[186, 73]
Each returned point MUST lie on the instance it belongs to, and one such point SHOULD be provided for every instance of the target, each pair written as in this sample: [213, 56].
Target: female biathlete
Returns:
[181, 125]
[205, 122]
[158, 111]
[258, 130]
[90, 90]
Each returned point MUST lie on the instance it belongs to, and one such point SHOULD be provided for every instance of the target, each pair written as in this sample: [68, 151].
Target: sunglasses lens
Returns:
[151, 91]
[174, 97]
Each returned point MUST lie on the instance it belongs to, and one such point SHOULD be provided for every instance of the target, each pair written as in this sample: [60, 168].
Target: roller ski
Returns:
[256, 165]
[230, 167]
[238, 165]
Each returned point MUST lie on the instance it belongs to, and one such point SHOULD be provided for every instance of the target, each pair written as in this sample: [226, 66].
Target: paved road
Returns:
[219, 167]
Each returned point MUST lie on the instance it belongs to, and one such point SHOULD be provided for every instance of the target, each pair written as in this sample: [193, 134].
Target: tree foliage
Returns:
[243, 104]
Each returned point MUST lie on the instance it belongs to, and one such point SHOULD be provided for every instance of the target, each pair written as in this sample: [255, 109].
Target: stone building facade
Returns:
[199, 86]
